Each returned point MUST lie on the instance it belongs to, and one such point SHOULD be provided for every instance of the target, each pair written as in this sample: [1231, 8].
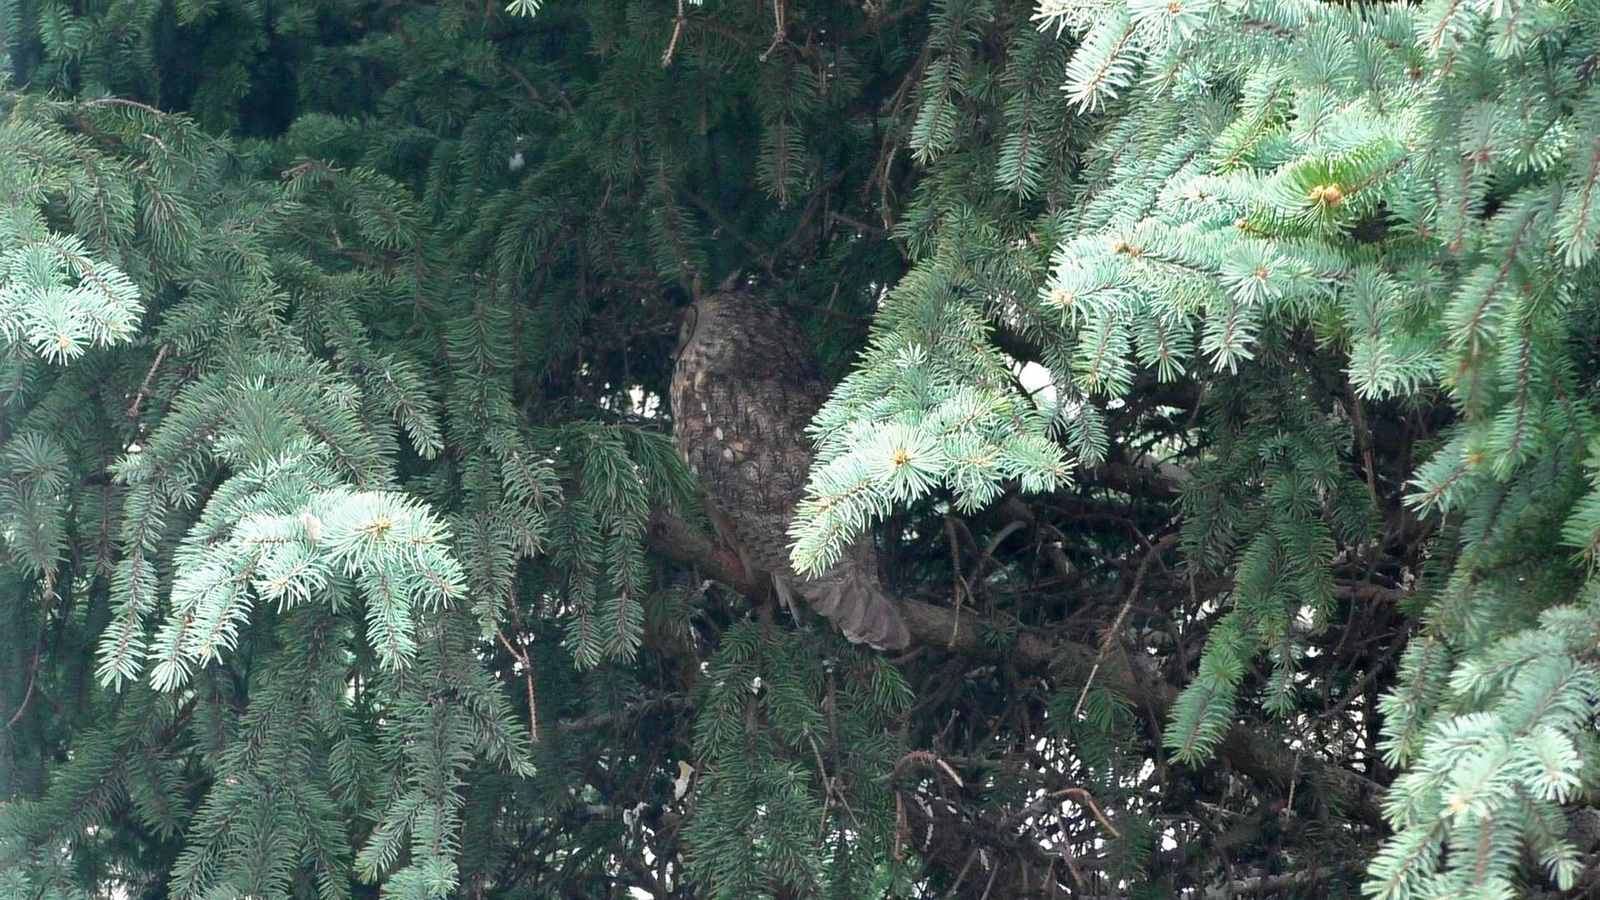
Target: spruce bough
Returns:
[1215, 376]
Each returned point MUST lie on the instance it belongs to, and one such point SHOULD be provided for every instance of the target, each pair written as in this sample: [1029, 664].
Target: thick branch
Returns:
[1277, 885]
[1139, 481]
[1133, 676]
[620, 718]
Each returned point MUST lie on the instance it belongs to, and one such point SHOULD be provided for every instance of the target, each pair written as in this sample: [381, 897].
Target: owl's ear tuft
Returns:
[731, 283]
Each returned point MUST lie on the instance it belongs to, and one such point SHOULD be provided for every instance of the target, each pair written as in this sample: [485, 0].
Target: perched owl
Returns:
[744, 388]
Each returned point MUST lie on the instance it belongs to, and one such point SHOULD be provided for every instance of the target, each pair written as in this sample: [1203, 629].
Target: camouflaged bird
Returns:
[744, 388]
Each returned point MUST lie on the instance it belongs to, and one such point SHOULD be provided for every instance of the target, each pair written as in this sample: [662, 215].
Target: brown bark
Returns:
[940, 629]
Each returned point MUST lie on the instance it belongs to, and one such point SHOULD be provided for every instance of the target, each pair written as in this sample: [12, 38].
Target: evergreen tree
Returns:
[1215, 377]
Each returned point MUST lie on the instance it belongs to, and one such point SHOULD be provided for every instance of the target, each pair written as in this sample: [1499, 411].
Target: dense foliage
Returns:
[1215, 377]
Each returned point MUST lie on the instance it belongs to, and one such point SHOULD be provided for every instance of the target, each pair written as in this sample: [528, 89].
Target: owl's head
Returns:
[709, 309]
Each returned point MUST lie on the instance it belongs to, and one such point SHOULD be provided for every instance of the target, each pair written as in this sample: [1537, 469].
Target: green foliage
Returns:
[1407, 187]
[1216, 377]
[331, 469]
[781, 742]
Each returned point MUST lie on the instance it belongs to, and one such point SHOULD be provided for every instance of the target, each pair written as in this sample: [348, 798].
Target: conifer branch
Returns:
[937, 627]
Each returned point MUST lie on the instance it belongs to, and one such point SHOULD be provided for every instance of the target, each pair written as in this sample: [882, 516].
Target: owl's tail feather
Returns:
[858, 607]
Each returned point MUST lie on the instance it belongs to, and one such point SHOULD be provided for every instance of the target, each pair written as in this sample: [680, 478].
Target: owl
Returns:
[744, 386]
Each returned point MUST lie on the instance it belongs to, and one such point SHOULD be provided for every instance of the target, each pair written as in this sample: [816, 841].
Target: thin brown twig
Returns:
[119, 101]
[33, 676]
[949, 771]
[1116, 625]
[993, 545]
[880, 168]
[527, 673]
[863, 227]
[831, 313]
[827, 789]
[817, 198]
[1079, 795]
[1072, 869]
[722, 221]
[900, 827]
[1365, 682]
[993, 873]
[144, 387]
[1288, 805]
[1087, 799]
[677, 31]
[928, 756]
[533, 92]
[777, 29]
[38, 657]
[962, 875]
[963, 590]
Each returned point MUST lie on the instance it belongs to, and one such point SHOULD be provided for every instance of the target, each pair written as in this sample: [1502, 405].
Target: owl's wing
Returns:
[745, 438]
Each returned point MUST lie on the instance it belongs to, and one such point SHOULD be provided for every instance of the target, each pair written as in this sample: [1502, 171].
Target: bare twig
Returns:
[527, 673]
[863, 227]
[38, 656]
[900, 827]
[33, 676]
[122, 102]
[144, 387]
[533, 92]
[722, 221]
[621, 717]
[777, 28]
[1087, 800]
[827, 788]
[963, 591]
[1116, 625]
[880, 168]
[1363, 436]
[993, 545]
[990, 884]
[931, 758]
[677, 30]
[831, 313]
[962, 875]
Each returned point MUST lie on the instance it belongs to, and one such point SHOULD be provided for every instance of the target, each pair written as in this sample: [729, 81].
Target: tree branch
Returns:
[1136, 677]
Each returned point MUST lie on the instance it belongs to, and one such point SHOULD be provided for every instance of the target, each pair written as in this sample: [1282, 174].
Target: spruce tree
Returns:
[1214, 376]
